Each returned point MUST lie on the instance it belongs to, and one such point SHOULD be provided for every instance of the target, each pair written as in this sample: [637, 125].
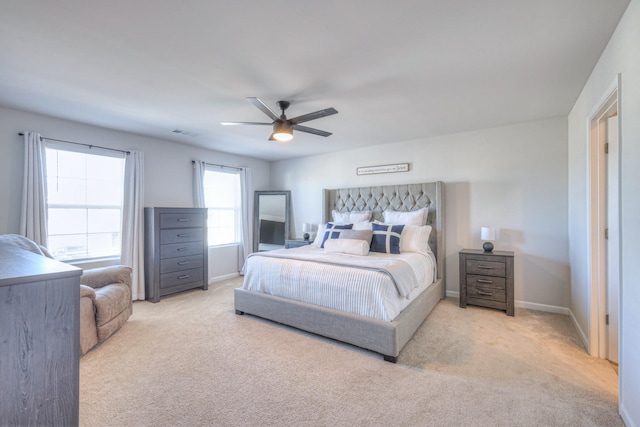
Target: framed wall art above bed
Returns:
[371, 293]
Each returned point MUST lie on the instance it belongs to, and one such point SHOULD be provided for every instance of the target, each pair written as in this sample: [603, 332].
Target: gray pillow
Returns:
[365, 235]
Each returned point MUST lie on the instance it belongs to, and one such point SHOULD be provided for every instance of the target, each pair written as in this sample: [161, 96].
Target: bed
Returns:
[385, 334]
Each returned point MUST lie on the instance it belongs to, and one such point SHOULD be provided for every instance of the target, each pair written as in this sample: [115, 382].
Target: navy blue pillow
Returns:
[386, 238]
[333, 231]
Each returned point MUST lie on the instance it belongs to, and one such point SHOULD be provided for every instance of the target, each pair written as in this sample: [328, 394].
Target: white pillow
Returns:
[350, 217]
[414, 218]
[364, 225]
[318, 240]
[347, 246]
[415, 239]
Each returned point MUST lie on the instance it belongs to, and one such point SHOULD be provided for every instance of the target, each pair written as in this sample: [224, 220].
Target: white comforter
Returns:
[380, 286]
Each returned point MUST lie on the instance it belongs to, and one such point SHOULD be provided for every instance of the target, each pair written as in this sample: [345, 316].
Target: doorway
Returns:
[604, 226]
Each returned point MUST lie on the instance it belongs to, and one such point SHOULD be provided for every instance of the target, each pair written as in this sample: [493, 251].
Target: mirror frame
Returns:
[256, 216]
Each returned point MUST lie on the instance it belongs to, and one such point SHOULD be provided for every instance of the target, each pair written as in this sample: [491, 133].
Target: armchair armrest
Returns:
[99, 277]
[86, 291]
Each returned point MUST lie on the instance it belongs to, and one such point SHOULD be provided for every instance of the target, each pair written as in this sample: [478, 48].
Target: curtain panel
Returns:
[33, 215]
[132, 251]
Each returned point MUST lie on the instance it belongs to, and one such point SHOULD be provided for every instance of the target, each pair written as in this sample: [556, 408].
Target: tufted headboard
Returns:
[406, 198]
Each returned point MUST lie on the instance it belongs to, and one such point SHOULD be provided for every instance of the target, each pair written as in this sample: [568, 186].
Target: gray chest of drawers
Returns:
[486, 279]
[176, 251]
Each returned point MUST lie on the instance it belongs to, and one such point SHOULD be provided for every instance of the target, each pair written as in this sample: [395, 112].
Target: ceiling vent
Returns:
[186, 132]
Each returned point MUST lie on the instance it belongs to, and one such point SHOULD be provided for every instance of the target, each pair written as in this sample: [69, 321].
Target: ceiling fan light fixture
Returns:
[282, 131]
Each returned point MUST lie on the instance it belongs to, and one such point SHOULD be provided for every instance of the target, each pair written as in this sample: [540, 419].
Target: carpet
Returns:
[189, 360]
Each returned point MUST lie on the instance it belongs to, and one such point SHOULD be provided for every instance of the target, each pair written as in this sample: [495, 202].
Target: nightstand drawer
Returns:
[486, 281]
[484, 293]
[486, 268]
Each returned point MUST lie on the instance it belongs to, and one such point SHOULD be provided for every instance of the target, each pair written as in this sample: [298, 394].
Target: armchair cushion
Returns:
[111, 301]
[99, 277]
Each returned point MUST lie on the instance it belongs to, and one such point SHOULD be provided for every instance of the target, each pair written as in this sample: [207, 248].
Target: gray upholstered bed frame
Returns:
[386, 338]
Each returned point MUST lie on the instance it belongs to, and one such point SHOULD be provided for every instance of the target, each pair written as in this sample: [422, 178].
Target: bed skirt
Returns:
[386, 338]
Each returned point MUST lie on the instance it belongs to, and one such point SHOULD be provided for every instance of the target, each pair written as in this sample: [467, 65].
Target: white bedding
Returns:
[311, 275]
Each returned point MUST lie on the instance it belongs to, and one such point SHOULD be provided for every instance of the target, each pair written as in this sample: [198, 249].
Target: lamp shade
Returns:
[307, 227]
[487, 233]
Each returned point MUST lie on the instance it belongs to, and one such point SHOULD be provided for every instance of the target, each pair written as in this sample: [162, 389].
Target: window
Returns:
[84, 199]
[222, 197]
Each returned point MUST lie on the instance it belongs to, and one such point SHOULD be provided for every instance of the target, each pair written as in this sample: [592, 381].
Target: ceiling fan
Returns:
[283, 127]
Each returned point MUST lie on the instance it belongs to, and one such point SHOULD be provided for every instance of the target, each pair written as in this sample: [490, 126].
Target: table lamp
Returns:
[487, 234]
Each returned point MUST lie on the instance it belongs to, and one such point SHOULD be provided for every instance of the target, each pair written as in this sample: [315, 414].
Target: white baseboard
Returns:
[583, 336]
[525, 304]
[628, 421]
[542, 307]
[223, 277]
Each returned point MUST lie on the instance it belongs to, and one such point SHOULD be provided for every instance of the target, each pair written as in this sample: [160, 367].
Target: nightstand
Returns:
[288, 244]
[486, 279]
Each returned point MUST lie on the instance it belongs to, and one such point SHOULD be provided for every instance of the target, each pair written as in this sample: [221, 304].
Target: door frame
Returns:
[596, 221]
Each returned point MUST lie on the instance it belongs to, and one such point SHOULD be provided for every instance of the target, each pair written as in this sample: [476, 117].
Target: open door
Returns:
[612, 236]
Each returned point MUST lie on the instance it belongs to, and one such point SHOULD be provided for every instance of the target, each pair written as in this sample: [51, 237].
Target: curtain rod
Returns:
[80, 143]
[193, 162]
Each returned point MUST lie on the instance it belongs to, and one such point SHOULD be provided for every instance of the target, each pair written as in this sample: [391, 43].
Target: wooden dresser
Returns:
[39, 340]
[486, 279]
[176, 251]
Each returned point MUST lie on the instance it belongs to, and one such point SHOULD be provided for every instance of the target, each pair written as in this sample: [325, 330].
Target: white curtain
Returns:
[198, 184]
[246, 240]
[133, 222]
[33, 215]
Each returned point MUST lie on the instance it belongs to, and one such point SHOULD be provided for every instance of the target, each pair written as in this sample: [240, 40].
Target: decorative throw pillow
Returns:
[320, 236]
[415, 239]
[386, 238]
[416, 218]
[333, 231]
[365, 235]
[350, 217]
[347, 246]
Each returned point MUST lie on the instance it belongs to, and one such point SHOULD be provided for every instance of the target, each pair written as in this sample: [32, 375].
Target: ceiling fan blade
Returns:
[314, 115]
[263, 107]
[311, 130]
[244, 123]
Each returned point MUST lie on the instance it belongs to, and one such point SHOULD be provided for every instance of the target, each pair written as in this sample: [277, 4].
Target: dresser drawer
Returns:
[486, 268]
[178, 264]
[181, 220]
[484, 293]
[169, 280]
[177, 235]
[180, 249]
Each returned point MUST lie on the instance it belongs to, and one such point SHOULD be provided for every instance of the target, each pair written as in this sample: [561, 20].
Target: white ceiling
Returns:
[395, 70]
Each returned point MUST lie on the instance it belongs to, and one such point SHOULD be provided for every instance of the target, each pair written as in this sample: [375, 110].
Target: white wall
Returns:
[513, 178]
[168, 172]
[622, 55]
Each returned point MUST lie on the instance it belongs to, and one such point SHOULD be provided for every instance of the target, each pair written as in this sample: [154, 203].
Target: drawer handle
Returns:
[183, 220]
[183, 235]
[186, 276]
[488, 294]
[184, 262]
[485, 267]
[183, 249]
[484, 281]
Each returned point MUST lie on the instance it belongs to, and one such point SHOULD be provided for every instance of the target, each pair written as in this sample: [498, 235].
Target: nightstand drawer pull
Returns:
[185, 276]
[183, 235]
[485, 267]
[484, 281]
[183, 249]
[484, 293]
[184, 219]
[184, 262]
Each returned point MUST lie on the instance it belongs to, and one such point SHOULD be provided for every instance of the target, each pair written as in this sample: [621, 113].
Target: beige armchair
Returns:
[105, 303]
[105, 296]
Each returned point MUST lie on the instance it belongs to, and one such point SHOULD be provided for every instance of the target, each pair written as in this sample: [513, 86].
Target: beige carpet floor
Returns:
[191, 361]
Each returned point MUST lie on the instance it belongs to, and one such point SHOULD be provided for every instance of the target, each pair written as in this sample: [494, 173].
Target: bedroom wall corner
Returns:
[619, 57]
